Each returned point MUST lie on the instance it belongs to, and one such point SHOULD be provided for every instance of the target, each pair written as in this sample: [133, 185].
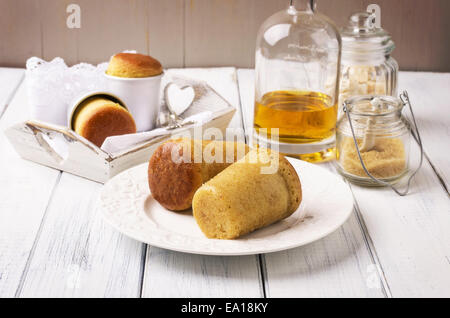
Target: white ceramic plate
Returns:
[127, 205]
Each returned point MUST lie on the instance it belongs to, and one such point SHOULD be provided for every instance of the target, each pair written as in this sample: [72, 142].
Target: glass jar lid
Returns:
[362, 36]
[371, 105]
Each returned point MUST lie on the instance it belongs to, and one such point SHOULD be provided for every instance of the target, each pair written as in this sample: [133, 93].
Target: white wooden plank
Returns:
[429, 94]
[172, 274]
[78, 255]
[340, 265]
[411, 235]
[24, 196]
[10, 79]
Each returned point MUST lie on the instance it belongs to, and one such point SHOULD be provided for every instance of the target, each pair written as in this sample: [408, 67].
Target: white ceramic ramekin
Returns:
[141, 96]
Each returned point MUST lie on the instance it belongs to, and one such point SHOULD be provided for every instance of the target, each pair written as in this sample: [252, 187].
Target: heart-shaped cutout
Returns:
[179, 99]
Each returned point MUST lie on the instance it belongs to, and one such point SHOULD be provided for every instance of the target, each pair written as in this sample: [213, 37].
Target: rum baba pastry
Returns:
[241, 199]
[173, 183]
[133, 65]
[98, 118]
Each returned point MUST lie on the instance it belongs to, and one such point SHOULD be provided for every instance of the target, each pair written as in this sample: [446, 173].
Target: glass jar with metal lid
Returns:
[367, 66]
[373, 140]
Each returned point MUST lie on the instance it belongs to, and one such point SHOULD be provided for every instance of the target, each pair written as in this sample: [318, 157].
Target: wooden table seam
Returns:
[370, 246]
[145, 247]
[427, 157]
[436, 172]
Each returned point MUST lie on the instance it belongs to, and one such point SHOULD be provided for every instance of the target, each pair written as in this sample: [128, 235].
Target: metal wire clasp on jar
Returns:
[373, 141]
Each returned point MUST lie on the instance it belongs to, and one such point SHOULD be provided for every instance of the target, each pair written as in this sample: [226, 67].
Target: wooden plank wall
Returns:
[189, 33]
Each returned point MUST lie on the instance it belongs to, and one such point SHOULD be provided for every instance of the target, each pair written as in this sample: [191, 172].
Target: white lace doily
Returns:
[53, 86]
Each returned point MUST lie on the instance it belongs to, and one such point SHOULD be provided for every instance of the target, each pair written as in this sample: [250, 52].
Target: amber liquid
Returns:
[301, 117]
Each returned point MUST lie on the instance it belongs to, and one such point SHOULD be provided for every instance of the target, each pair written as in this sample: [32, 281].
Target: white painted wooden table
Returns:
[52, 243]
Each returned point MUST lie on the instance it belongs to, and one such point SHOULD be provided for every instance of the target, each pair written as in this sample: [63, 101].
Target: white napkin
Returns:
[116, 144]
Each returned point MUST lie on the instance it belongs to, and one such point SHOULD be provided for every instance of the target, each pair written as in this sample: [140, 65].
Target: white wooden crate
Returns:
[61, 148]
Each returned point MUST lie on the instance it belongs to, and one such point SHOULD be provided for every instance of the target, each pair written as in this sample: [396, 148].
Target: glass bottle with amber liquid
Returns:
[297, 64]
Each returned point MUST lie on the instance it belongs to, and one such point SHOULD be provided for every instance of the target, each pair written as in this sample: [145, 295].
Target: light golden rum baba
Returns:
[133, 65]
[173, 184]
[98, 118]
[241, 199]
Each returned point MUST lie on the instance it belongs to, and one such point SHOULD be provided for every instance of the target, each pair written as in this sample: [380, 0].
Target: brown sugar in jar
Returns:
[382, 136]
[386, 160]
